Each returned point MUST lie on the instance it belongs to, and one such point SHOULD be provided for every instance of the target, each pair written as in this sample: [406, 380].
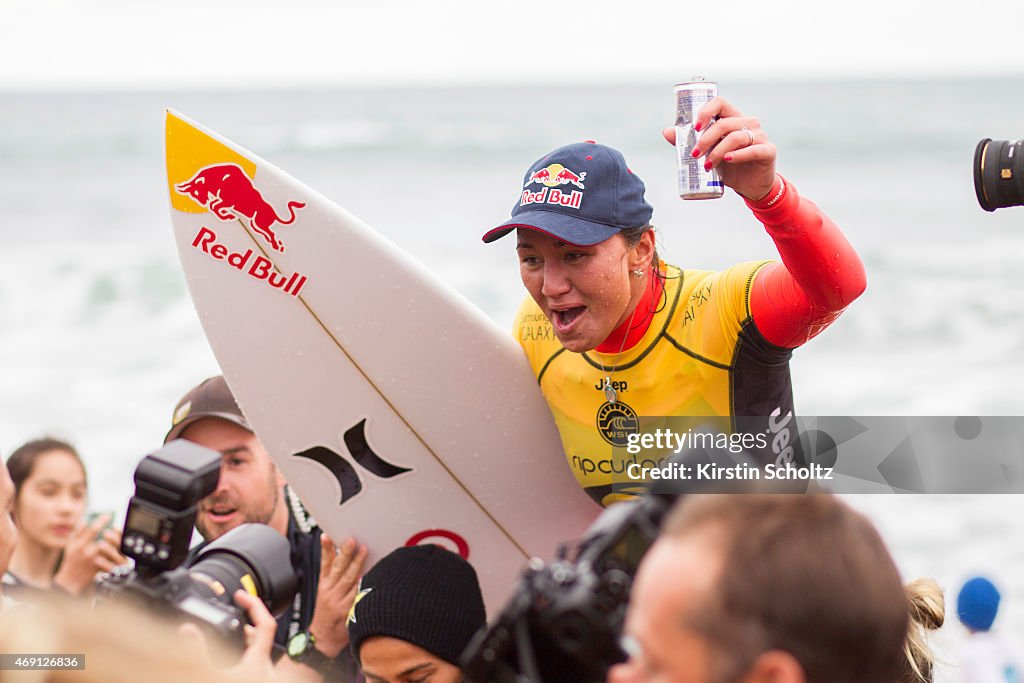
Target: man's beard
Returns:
[247, 514]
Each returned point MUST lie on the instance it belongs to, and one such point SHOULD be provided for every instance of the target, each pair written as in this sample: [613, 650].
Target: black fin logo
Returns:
[355, 439]
[340, 468]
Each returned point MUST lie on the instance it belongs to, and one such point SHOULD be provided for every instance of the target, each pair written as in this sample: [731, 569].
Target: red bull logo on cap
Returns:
[555, 175]
[552, 177]
[228, 193]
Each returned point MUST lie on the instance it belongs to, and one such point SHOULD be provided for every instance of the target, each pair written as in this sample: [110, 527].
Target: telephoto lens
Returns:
[999, 173]
[251, 557]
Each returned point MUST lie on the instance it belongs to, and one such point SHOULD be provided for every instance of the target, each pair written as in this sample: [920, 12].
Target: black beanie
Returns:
[424, 595]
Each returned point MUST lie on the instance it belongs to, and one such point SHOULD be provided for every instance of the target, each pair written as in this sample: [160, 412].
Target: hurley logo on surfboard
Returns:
[343, 472]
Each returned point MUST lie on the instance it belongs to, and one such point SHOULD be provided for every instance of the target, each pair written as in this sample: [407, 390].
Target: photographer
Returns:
[780, 588]
[251, 489]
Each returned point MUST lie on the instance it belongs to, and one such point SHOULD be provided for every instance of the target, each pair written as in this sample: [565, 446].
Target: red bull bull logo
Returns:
[552, 177]
[228, 193]
[555, 175]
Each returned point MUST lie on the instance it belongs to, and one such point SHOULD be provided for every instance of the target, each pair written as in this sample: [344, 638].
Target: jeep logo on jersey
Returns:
[781, 436]
[343, 472]
[616, 421]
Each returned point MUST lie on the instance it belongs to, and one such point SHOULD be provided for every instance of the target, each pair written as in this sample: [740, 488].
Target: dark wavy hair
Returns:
[23, 460]
[632, 237]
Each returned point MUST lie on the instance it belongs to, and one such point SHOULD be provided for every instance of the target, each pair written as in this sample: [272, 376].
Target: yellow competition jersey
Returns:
[701, 356]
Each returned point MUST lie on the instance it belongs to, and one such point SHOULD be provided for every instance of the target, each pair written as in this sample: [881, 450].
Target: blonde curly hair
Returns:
[927, 607]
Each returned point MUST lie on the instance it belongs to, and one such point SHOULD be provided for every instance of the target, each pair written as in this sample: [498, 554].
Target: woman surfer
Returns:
[618, 337]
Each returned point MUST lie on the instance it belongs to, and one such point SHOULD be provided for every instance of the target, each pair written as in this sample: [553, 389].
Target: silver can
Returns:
[694, 181]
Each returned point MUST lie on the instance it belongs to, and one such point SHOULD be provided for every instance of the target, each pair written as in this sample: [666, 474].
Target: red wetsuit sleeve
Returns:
[820, 274]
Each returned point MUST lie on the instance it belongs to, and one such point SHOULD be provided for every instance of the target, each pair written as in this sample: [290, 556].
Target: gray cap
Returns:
[211, 398]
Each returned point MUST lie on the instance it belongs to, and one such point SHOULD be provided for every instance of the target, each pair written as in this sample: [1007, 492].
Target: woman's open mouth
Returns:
[564, 320]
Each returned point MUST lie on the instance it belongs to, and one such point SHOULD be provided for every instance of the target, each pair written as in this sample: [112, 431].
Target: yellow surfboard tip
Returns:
[189, 148]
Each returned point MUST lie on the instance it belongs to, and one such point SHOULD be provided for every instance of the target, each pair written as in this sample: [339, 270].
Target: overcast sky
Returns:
[62, 44]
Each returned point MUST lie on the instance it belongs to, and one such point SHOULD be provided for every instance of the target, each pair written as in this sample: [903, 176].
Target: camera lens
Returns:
[999, 173]
[251, 557]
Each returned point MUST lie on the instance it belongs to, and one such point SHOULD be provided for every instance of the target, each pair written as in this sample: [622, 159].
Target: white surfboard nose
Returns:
[397, 411]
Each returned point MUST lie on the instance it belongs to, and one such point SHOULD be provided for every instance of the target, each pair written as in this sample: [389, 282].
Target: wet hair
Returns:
[927, 613]
[632, 237]
[23, 459]
[804, 574]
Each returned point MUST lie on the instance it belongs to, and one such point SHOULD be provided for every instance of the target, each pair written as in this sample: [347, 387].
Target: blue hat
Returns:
[581, 193]
[977, 604]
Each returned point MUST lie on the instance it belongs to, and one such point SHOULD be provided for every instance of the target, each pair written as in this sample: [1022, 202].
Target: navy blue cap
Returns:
[977, 604]
[581, 193]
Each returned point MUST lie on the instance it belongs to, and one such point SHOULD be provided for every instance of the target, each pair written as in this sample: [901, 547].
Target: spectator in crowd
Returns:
[765, 589]
[8, 532]
[115, 642]
[927, 613]
[415, 613]
[987, 657]
[56, 550]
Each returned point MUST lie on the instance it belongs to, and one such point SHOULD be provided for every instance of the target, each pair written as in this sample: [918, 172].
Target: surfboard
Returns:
[398, 411]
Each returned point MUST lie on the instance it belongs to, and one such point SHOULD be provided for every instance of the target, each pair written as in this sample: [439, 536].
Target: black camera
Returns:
[168, 487]
[564, 620]
[999, 173]
[253, 557]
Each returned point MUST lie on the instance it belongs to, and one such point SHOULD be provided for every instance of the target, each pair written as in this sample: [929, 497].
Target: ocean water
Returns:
[100, 340]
